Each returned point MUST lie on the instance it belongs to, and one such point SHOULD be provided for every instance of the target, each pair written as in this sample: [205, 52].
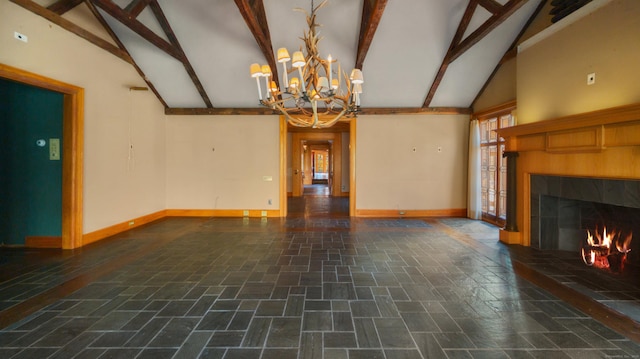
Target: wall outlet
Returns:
[401, 213]
[131, 223]
[245, 213]
[269, 201]
[263, 213]
[344, 188]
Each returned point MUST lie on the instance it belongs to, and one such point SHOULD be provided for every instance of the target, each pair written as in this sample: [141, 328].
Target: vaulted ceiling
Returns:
[416, 55]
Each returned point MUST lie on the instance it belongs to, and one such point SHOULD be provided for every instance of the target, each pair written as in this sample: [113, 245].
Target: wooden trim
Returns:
[200, 111]
[413, 213]
[600, 117]
[72, 149]
[43, 242]
[496, 110]
[69, 26]
[237, 213]
[589, 139]
[62, 6]
[352, 167]
[122, 227]
[283, 167]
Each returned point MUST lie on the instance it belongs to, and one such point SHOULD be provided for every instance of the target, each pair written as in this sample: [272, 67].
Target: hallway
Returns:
[315, 285]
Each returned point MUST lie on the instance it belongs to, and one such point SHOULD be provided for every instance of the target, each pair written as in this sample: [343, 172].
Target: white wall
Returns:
[116, 188]
[231, 177]
[391, 176]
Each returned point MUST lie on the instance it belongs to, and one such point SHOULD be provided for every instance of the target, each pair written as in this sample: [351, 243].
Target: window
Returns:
[494, 168]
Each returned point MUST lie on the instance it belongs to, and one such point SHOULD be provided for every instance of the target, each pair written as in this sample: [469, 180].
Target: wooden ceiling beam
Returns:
[459, 46]
[372, 11]
[363, 111]
[71, 27]
[139, 28]
[507, 10]
[166, 27]
[135, 7]
[115, 38]
[62, 6]
[491, 5]
[457, 37]
[512, 52]
[254, 15]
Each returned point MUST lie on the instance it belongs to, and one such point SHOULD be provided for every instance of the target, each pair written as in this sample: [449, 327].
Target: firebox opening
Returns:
[564, 209]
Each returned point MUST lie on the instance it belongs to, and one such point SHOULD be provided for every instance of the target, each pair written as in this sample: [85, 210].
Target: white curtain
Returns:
[474, 199]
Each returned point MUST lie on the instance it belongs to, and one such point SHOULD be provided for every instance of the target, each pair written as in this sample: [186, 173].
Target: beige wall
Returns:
[501, 89]
[118, 186]
[231, 177]
[552, 74]
[391, 176]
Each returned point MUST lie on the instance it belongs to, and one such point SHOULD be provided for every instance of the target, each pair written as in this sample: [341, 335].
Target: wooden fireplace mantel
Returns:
[598, 144]
[586, 132]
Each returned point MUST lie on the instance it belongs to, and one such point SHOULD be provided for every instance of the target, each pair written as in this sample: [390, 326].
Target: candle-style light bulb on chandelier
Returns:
[312, 83]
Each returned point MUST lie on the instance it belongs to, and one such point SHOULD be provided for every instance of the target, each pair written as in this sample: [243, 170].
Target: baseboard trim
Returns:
[121, 227]
[253, 213]
[239, 213]
[411, 213]
[43, 242]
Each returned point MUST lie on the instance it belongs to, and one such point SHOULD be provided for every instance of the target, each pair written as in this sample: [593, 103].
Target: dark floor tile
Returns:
[365, 354]
[295, 306]
[311, 345]
[153, 353]
[315, 305]
[257, 332]
[393, 333]
[115, 339]
[280, 354]
[271, 308]
[317, 321]
[193, 346]
[175, 332]
[226, 339]
[420, 322]
[243, 354]
[340, 340]
[216, 320]
[177, 308]
[147, 333]
[120, 353]
[364, 308]
[284, 332]
[366, 333]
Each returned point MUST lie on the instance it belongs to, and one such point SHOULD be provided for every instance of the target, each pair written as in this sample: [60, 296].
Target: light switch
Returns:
[54, 149]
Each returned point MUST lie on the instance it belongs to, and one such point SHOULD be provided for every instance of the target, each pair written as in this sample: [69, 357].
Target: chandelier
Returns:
[315, 84]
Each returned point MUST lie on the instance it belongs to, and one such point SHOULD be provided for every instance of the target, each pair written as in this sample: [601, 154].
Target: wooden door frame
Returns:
[72, 148]
[337, 138]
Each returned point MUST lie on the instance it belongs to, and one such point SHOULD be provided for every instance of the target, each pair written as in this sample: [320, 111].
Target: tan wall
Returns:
[391, 176]
[231, 177]
[117, 187]
[552, 74]
[501, 89]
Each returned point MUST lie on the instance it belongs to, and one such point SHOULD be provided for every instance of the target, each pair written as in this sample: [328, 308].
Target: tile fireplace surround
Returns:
[603, 144]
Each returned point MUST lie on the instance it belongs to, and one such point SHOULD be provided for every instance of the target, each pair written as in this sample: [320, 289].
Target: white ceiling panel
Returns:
[166, 73]
[468, 73]
[220, 48]
[407, 51]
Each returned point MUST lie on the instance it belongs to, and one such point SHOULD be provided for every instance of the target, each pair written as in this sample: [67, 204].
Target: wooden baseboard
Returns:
[43, 242]
[411, 213]
[509, 237]
[121, 227]
[253, 213]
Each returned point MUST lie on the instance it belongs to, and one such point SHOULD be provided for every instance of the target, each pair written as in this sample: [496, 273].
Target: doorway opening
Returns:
[321, 180]
[71, 152]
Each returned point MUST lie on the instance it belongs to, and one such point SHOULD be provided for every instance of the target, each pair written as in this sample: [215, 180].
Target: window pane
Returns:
[493, 125]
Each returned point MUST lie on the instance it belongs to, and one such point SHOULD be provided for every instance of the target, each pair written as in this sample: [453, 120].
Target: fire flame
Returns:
[606, 250]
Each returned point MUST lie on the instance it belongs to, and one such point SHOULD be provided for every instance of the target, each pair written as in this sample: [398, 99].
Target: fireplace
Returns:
[565, 210]
[591, 157]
